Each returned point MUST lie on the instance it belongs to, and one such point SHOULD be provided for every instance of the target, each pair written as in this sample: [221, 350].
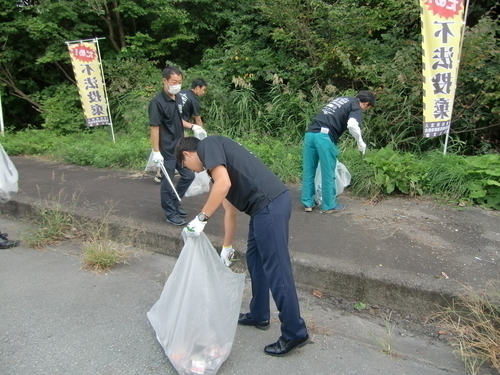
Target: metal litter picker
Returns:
[169, 180]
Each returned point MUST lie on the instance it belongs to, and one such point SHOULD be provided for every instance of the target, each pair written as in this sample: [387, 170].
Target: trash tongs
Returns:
[169, 180]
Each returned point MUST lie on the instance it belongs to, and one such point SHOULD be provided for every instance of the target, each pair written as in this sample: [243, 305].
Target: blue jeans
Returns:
[318, 147]
[270, 268]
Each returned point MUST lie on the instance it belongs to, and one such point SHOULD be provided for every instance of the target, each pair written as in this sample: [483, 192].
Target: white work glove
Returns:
[227, 254]
[157, 157]
[196, 128]
[362, 147]
[195, 227]
[355, 130]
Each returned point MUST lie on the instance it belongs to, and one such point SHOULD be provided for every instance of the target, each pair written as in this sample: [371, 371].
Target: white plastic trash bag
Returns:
[201, 182]
[200, 185]
[196, 316]
[342, 180]
[151, 166]
[200, 133]
[8, 177]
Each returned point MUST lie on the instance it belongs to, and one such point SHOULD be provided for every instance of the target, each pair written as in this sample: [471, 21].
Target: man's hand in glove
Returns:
[195, 227]
[157, 157]
[227, 254]
[196, 128]
[362, 147]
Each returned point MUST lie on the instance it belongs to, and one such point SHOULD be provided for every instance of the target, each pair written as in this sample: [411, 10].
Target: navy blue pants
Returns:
[270, 267]
[169, 201]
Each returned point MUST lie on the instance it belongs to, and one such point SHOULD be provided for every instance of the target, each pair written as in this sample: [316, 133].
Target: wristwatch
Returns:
[202, 217]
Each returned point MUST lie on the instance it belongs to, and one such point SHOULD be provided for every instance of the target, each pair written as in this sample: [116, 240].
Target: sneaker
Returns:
[7, 244]
[158, 177]
[338, 207]
[308, 209]
[182, 212]
[176, 220]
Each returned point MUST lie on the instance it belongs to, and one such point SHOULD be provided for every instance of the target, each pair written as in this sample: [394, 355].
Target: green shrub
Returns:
[98, 150]
[62, 109]
[485, 187]
[283, 158]
[30, 142]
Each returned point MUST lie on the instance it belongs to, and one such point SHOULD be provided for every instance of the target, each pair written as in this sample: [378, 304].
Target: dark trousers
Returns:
[169, 201]
[270, 267]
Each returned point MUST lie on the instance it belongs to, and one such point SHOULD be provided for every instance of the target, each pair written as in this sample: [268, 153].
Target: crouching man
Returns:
[247, 184]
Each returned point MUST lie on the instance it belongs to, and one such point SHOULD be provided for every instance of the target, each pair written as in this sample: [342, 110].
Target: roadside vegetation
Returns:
[101, 250]
[472, 322]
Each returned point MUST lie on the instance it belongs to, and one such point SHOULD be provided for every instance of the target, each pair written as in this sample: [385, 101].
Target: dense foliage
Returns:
[270, 65]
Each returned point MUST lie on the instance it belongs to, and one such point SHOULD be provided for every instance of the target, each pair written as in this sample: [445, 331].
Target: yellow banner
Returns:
[87, 68]
[442, 22]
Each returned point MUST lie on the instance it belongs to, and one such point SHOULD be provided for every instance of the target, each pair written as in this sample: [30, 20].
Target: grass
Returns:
[473, 320]
[100, 255]
[55, 223]
[385, 342]
[457, 179]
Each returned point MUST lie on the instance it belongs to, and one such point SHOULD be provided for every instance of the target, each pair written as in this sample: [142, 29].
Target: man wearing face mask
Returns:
[166, 127]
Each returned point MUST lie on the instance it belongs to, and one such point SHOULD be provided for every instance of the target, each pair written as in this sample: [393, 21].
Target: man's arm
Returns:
[219, 190]
[230, 215]
[155, 138]
[186, 124]
[197, 120]
[355, 130]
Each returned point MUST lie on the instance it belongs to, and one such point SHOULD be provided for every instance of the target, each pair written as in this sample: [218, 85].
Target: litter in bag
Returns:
[201, 182]
[342, 179]
[8, 177]
[200, 133]
[200, 185]
[196, 316]
[151, 165]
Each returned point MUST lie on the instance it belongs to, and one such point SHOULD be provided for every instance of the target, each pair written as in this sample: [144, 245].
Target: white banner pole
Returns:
[1, 117]
[105, 90]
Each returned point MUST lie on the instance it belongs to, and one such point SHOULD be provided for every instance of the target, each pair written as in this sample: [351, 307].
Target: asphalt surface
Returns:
[57, 318]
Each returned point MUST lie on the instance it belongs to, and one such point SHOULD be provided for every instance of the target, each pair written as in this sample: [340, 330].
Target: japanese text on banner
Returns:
[442, 22]
[87, 67]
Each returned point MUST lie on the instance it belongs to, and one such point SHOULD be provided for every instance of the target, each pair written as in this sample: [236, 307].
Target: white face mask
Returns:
[174, 89]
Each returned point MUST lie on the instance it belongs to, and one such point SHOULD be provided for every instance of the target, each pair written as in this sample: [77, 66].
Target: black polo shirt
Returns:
[164, 112]
[335, 115]
[190, 104]
[253, 185]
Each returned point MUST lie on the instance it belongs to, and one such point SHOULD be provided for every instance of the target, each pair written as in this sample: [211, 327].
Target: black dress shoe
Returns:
[246, 320]
[7, 244]
[283, 346]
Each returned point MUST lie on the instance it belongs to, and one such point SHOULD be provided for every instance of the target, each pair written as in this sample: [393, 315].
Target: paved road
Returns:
[56, 318]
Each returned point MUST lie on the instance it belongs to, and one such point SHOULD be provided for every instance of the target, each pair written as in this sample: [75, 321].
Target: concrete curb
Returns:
[387, 288]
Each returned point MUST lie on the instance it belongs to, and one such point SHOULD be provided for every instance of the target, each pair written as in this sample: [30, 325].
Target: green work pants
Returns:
[319, 147]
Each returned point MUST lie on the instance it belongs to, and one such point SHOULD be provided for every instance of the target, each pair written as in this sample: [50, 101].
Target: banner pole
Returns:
[1, 118]
[96, 41]
[466, 10]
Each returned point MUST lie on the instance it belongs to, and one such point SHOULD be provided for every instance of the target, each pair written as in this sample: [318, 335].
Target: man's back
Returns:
[190, 104]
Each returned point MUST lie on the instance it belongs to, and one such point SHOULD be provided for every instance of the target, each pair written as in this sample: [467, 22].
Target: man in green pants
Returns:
[320, 145]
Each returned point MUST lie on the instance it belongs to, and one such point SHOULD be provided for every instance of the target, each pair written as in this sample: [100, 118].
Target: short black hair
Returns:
[366, 97]
[185, 144]
[198, 82]
[170, 70]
